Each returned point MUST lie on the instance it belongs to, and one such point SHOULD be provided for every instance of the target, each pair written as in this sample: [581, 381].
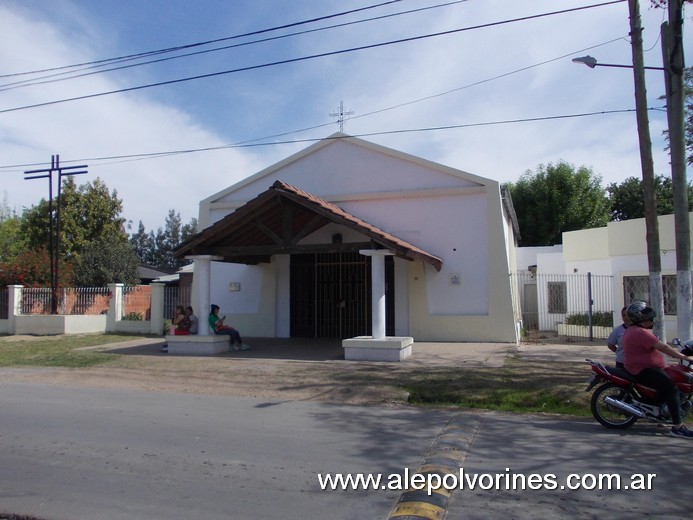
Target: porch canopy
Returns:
[276, 221]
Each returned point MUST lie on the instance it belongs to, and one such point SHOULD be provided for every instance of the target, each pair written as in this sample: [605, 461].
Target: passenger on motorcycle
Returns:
[643, 357]
[615, 339]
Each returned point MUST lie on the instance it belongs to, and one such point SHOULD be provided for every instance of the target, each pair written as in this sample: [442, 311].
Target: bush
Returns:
[600, 319]
[133, 316]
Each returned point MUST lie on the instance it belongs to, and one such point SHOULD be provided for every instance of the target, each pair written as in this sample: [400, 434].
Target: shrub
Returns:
[133, 316]
[600, 318]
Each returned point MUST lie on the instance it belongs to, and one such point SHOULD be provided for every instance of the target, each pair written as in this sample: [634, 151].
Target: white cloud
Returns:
[243, 106]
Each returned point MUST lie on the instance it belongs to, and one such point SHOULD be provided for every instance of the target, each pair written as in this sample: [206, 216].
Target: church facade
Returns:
[289, 251]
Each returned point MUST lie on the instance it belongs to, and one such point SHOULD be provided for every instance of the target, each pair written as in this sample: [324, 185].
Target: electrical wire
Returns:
[133, 157]
[198, 44]
[53, 78]
[305, 58]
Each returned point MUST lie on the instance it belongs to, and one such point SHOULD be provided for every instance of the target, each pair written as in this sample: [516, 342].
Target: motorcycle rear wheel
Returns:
[608, 415]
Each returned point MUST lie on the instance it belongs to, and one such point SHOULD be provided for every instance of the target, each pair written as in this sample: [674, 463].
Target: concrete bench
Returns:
[194, 345]
[365, 348]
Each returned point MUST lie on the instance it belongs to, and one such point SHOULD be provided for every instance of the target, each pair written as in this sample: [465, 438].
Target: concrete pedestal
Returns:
[389, 348]
[195, 345]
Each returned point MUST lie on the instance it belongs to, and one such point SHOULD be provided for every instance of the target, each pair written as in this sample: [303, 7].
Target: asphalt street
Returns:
[579, 453]
[75, 453]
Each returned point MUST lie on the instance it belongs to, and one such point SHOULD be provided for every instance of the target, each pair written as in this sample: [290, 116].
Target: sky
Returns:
[496, 95]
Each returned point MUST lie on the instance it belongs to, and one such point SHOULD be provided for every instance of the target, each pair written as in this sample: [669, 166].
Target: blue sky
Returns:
[465, 80]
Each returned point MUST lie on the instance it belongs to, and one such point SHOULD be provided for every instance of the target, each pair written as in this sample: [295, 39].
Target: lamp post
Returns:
[592, 63]
[673, 77]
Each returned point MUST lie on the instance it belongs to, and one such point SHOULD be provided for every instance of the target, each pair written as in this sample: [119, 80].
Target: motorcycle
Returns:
[620, 401]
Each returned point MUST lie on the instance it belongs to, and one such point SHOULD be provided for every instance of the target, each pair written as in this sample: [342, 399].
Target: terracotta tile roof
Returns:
[277, 219]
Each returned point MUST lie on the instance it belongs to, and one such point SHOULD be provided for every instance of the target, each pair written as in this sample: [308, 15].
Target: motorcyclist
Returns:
[643, 357]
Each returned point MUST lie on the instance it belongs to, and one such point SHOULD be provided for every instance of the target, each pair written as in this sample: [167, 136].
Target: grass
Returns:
[520, 386]
[57, 351]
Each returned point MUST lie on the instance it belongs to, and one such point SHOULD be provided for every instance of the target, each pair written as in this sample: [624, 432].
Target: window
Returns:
[557, 295]
[638, 288]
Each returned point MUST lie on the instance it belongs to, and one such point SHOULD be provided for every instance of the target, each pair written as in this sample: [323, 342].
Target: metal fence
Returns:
[174, 296]
[70, 300]
[4, 302]
[543, 301]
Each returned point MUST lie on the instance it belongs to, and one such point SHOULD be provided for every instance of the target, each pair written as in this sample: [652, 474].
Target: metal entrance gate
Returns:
[331, 295]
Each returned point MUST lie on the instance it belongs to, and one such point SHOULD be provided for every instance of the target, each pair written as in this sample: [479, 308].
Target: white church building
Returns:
[304, 248]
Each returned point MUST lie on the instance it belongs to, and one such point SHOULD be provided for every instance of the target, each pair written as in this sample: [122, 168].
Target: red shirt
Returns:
[639, 351]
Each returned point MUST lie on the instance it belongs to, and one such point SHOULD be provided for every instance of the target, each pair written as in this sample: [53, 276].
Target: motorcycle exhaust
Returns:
[624, 406]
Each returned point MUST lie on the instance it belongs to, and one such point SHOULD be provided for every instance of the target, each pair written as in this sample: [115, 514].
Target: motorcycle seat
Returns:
[622, 373]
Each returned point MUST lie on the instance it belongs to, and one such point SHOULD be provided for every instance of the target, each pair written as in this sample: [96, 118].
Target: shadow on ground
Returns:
[297, 349]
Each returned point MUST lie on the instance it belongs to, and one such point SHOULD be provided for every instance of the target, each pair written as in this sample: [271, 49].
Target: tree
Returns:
[555, 199]
[627, 198]
[88, 213]
[156, 249]
[107, 260]
[11, 242]
[142, 244]
[29, 267]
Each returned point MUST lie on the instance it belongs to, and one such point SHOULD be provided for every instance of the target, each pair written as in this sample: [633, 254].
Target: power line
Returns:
[198, 44]
[150, 155]
[62, 76]
[304, 58]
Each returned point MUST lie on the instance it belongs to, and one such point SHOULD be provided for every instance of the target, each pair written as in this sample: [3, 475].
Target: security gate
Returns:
[331, 295]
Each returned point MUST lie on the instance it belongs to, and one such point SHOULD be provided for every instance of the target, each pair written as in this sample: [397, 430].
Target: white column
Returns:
[14, 301]
[156, 312]
[201, 289]
[115, 306]
[377, 289]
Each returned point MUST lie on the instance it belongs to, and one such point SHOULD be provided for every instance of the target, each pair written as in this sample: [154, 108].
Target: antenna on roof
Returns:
[340, 116]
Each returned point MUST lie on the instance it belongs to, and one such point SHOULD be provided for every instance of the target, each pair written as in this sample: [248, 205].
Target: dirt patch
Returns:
[280, 370]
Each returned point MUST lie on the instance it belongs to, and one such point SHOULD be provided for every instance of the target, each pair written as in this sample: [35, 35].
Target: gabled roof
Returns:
[278, 219]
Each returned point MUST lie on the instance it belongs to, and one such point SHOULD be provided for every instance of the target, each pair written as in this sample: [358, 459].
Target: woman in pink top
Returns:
[644, 358]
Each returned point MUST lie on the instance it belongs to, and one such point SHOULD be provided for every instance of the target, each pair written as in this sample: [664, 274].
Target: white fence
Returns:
[569, 304]
[116, 308]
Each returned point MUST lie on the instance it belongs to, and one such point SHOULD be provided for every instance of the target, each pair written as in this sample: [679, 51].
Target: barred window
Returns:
[638, 288]
[557, 295]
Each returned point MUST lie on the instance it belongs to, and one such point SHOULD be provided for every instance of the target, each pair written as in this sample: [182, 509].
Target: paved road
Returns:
[74, 452]
[83, 453]
[508, 444]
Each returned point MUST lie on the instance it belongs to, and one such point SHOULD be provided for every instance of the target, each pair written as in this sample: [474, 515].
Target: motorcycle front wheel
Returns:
[608, 415]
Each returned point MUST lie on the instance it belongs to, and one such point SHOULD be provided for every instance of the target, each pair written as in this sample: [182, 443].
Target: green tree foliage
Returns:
[627, 198]
[156, 249]
[107, 260]
[88, 213]
[11, 241]
[555, 199]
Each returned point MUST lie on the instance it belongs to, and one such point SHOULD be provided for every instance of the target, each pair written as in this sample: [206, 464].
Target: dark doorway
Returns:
[331, 295]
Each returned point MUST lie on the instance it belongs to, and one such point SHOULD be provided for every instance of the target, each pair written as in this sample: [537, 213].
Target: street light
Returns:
[592, 63]
[673, 57]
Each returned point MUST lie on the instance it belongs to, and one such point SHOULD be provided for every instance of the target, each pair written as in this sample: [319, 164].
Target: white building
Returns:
[617, 254]
[287, 251]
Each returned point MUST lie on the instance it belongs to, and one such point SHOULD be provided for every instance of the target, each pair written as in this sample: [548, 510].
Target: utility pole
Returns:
[650, 202]
[54, 245]
[672, 53]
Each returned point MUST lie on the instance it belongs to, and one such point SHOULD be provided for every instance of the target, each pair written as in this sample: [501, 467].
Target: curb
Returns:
[445, 456]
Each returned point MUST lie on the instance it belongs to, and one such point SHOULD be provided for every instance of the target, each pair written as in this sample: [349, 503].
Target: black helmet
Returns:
[639, 312]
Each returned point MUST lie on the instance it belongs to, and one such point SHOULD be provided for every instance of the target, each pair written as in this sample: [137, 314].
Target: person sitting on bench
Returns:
[216, 323]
